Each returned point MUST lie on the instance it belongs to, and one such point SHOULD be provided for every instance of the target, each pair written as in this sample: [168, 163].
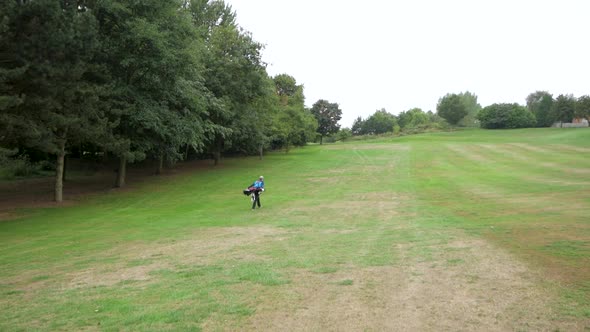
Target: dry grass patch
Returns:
[466, 285]
[556, 181]
[568, 265]
[509, 151]
[565, 147]
[532, 148]
[136, 261]
[113, 275]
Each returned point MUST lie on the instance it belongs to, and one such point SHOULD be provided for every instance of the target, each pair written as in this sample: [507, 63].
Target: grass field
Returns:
[469, 230]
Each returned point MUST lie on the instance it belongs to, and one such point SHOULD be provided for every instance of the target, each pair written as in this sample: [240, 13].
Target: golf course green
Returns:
[464, 230]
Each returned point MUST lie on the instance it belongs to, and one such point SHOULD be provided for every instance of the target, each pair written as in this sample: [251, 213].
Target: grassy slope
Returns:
[336, 207]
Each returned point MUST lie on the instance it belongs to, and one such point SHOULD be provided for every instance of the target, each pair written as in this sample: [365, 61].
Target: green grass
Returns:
[346, 282]
[186, 252]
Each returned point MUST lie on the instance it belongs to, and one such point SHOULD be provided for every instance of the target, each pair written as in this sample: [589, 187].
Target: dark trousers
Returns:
[256, 199]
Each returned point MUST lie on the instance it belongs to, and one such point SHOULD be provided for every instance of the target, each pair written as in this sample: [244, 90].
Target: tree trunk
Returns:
[122, 172]
[216, 157]
[59, 173]
[217, 152]
[160, 164]
[260, 151]
[65, 168]
[321, 139]
[186, 153]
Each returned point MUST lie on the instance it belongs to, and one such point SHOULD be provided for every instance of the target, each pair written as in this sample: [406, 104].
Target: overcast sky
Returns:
[373, 54]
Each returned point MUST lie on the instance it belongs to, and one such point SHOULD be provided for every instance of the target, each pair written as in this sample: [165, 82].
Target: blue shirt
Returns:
[259, 184]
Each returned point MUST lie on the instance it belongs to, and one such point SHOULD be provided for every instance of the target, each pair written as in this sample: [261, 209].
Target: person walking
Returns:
[258, 189]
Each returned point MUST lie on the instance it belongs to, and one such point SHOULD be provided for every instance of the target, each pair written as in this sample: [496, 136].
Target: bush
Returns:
[425, 128]
[12, 166]
[380, 122]
[506, 116]
[343, 134]
[46, 165]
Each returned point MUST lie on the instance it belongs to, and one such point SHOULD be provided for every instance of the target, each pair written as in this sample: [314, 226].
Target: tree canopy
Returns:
[327, 115]
[540, 103]
[564, 108]
[379, 122]
[506, 116]
[583, 107]
[452, 108]
[472, 107]
[413, 118]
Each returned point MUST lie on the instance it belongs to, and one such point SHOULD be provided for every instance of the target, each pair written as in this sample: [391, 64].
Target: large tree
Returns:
[540, 104]
[48, 83]
[412, 118]
[506, 116]
[357, 126]
[327, 114]
[293, 123]
[380, 122]
[583, 107]
[156, 95]
[472, 107]
[564, 108]
[286, 87]
[254, 126]
[451, 108]
[234, 73]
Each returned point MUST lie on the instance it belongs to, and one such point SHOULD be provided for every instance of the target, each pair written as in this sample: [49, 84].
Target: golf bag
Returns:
[252, 192]
[249, 191]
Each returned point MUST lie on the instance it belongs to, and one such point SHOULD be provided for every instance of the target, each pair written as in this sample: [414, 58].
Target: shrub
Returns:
[506, 116]
[12, 166]
[343, 134]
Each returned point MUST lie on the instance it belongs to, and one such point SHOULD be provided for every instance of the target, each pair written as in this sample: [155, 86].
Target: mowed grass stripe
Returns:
[518, 205]
[536, 175]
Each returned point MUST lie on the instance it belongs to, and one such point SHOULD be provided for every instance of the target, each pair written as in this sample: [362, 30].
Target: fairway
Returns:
[468, 230]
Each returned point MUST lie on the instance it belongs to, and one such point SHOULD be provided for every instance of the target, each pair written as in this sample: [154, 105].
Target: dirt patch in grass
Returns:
[464, 285]
[95, 277]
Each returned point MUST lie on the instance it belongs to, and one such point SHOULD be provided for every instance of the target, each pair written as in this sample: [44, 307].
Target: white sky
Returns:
[372, 54]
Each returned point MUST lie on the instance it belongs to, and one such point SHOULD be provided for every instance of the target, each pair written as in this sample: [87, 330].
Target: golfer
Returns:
[258, 189]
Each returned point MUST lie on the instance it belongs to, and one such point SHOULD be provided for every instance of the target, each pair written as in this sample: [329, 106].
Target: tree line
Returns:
[541, 110]
[463, 110]
[452, 109]
[142, 79]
